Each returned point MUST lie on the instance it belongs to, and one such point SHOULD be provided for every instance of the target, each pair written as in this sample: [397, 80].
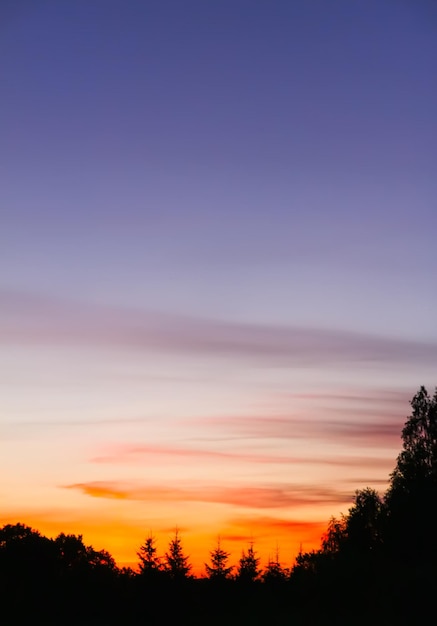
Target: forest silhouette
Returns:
[377, 564]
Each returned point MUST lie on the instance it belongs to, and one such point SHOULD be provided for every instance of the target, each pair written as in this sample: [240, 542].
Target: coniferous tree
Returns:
[176, 563]
[248, 570]
[150, 562]
[218, 570]
[274, 571]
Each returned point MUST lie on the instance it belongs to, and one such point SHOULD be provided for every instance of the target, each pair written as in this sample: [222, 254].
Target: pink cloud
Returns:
[134, 453]
[384, 432]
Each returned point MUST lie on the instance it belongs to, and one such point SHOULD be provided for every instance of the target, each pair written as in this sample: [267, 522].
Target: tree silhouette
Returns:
[308, 562]
[176, 563]
[100, 561]
[28, 573]
[417, 463]
[411, 497]
[248, 570]
[150, 563]
[365, 522]
[336, 535]
[73, 554]
[274, 572]
[218, 570]
[25, 554]
[384, 548]
[13, 533]
[359, 531]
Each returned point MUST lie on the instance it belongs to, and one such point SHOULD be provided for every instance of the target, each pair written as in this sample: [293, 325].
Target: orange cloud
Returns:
[269, 526]
[270, 530]
[247, 497]
[119, 491]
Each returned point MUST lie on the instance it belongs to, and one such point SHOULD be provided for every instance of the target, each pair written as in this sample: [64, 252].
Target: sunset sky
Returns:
[218, 268]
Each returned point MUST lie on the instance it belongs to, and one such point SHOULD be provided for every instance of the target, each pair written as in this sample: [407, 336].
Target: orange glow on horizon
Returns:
[123, 539]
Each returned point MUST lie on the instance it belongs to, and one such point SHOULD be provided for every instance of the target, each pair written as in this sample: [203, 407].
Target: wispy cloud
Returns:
[265, 527]
[134, 453]
[265, 497]
[364, 396]
[268, 524]
[372, 434]
[137, 454]
[27, 318]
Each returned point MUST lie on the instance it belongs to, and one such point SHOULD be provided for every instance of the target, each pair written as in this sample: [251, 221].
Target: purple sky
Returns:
[212, 211]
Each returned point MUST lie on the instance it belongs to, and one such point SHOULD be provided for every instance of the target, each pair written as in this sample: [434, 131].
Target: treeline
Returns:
[175, 564]
[376, 565]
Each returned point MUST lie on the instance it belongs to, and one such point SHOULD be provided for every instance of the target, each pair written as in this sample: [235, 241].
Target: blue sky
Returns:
[211, 211]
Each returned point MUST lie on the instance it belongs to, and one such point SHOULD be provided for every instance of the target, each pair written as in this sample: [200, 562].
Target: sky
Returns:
[217, 264]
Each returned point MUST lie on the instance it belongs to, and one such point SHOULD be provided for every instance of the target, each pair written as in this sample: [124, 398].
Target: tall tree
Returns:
[150, 563]
[411, 497]
[219, 569]
[417, 463]
[176, 563]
